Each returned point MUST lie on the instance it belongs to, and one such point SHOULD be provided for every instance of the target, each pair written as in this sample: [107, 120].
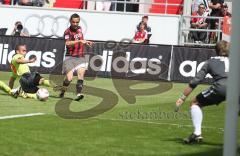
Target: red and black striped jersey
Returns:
[75, 50]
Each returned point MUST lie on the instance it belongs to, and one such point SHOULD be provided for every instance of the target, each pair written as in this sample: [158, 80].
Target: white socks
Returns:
[197, 118]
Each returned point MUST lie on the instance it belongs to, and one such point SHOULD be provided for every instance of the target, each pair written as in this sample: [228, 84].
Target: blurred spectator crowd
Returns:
[200, 11]
[37, 3]
[99, 5]
[203, 9]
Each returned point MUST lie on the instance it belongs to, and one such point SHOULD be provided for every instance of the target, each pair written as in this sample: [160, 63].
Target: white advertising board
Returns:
[96, 25]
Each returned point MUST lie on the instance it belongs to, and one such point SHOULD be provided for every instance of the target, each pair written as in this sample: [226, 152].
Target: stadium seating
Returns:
[170, 9]
[76, 4]
[8, 2]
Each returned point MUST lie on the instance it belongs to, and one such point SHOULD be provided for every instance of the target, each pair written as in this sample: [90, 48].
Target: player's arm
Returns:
[24, 61]
[193, 84]
[216, 6]
[203, 25]
[70, 43]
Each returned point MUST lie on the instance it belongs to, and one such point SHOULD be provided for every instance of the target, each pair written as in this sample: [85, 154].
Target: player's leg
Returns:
[197, 117]
[81, 69]
[206, 98]
[5, 87]
[79, 85]
[44, 82]
[66, 83]
[11, 82]
[28, 95]
[68, 69]
[13, 92]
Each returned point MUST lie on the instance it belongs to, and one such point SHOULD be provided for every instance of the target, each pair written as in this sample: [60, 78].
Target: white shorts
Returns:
[74, 63]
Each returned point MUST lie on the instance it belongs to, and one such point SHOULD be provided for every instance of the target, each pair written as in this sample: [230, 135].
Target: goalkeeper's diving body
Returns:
[29, 81]
[218, 68]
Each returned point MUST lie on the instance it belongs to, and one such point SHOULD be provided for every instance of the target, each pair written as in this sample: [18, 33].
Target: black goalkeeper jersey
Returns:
[218, 68]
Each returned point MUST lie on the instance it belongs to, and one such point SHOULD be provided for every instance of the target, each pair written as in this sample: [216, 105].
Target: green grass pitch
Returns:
[119, 131]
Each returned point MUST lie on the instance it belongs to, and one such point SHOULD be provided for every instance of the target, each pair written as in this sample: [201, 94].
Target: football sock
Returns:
[32, 96]
[5, 87]
[79, 86]
[28, 95]
[66, 83]
[197, 117]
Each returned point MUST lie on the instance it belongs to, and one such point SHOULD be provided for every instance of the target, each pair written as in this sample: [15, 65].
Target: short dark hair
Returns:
[225, 5]
[18, 22]
[222, 48]
[201, 4]
[145, 17]
[18, 46]
[74, 16]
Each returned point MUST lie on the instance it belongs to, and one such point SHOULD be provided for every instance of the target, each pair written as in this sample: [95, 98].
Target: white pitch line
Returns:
[157, 123]
[20, 116]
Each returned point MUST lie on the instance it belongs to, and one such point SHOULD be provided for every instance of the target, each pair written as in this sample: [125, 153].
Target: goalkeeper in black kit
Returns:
[218, 68]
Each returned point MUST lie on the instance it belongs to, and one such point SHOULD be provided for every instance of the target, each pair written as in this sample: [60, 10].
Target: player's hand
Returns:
[32, 60]
[179, 102]
[89, 43]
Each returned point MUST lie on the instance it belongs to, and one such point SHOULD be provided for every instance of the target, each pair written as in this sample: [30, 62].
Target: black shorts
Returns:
[210, 97]
[29, 82]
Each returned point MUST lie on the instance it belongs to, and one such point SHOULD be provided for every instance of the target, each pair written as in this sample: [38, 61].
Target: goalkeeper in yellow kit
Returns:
[29, 81]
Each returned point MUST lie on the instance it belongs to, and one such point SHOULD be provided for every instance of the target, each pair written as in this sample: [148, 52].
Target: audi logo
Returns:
[49, 26]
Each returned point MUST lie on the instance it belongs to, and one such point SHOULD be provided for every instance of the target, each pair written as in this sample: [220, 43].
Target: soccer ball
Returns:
[42, 94]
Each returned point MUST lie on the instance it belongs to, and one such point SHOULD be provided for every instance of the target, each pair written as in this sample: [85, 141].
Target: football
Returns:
[42, 94]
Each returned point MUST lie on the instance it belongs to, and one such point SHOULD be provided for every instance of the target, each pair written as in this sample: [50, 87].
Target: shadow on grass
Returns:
[4, 94]
[54, 97]
[216, 148]
[180, 141]
[211, 152]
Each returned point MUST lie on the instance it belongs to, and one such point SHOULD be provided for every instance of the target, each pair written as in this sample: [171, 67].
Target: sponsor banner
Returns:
[49, 53]
[130, 61]
[187, 61]
[112, 59]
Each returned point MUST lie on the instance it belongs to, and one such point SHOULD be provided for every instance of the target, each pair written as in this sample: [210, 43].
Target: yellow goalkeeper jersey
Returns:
[18, 69]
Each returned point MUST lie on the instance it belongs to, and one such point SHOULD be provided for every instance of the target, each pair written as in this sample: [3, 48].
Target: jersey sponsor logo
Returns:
[78, 36]
[44, 59]
[66, 37]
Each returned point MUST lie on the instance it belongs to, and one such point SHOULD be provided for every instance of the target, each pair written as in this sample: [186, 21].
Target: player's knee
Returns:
[81, 76]
[194, 102]
[69, 76]
[41, 81]
[81, 73]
